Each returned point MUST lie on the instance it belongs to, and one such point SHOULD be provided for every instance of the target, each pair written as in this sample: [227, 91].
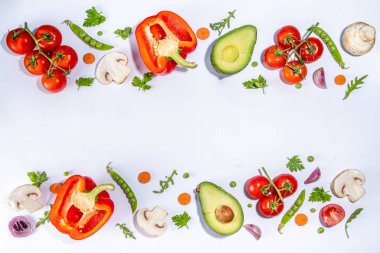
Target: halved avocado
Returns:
[221, 211]
[232, 52]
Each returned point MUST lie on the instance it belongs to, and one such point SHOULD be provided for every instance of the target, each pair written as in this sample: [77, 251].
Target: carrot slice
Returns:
[89, 58]
[184, 198]
[340, 80]
[144, 177]
[203, 33]
[301, 219]
[54, 188]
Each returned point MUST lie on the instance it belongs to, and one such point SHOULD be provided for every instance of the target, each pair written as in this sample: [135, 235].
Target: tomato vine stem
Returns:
[271, 182]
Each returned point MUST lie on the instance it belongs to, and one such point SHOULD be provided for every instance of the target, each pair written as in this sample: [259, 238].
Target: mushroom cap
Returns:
[358, 38]
[152, 222]
[349, 183]
[113, 67]
[25, 197]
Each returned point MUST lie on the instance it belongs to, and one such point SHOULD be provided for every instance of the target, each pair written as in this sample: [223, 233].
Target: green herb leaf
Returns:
[165, 183]
[94, 18]
[352, 217]
[259, 83]
[123, 33]
[84, 81]
[127, 233]
[37, 177]
[295, 164]
[319, 195]
[181, 220]
[219, 26]
[142, 83]
[354, 85]
[44, 219]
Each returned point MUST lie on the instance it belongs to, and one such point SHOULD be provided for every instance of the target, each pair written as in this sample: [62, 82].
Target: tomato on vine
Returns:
[258, 187]
[36, 63]
[49, 37]
[54, 81]
[274, 57]
[270, 206]
[287, 184]
[19, 41]
[294, 72]
[288, 37]
[65, 57]
[311, 50]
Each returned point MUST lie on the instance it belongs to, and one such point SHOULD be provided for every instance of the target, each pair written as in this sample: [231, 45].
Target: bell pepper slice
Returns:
[81, 208]
[163, 40]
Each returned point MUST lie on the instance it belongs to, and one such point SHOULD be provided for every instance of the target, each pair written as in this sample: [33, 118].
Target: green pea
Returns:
[310, 158]
[87, 39]
[249, 205]
[313, 210]
[320, 230]
[99, 33]
[98, 45]
[255, 64]
[186, 175]
[130, 195]
[93, 43]
[298, 85]
[66, 173]
[233, 184]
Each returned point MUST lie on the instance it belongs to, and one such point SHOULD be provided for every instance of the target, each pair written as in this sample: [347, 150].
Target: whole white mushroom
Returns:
[358, 38]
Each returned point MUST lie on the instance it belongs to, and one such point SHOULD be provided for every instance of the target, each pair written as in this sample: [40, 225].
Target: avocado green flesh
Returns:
[211, 197]
[232, 52]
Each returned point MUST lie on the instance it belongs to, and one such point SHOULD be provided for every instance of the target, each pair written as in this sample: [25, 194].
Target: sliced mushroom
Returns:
[349, 183]
[152, 222]
[358, 38]
[25, 197]
[113, 67]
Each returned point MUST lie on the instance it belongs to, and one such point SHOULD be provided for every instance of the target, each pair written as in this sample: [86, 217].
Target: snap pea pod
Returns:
[124, 186]
[330, 44]
[292, 211]
[81, 34]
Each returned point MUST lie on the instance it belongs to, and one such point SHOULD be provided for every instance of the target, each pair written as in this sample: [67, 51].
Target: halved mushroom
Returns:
[152, 222]
[358, 38]
[25, 197]
[113, 67]
[349, 183]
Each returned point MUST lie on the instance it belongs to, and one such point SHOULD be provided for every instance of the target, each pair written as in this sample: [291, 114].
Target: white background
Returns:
[193, 122]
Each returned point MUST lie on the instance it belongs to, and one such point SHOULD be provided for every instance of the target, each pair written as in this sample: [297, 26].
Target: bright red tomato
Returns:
[311, 50]
[270, 206]
[36, 63]
[332, 214]
[274, 57]
[65, 57]
[20, 42]
[49, 37]
[294, 73]
[288, 37]
[258, 187]
[54, 81]
[286, 183]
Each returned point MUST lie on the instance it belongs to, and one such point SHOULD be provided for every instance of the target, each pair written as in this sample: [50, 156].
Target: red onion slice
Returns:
[319, 78]
[254, 230]
[314, 176]
[20, 226]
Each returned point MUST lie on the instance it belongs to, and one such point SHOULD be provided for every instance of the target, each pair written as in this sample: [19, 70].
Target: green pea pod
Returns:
[81, 34]
[292, 211]
[124, 186]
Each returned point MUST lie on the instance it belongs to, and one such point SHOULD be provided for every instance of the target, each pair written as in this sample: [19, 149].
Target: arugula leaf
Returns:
[142, 83]
[46, 218]
[219, 26]
[94, 18]
[295, 164]
[353, 216]
[84, 81]
[123, 33]
[127, 233]
[37, 178]
[181, 220]
[164, 184]
[258, 83]
[354, 85]
[319, 195]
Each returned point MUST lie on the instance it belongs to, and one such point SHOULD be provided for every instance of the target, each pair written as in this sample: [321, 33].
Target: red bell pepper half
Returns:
[81, 208]
[165, 40]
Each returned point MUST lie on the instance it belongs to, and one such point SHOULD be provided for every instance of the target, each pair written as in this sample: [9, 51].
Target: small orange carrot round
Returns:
[184, 198]
[340, 80]
[144, 177]
[54, 188]
[203, 33]
[301, 219]
[89, 58]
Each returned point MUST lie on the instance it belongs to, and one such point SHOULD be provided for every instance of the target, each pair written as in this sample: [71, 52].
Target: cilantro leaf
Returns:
[94, 18]
[127, 233]
[295, 164]
[354, 85]
[44, 219]
[123, 33]
[84, 81]
[142, 83]
[181, 220]
[37, 178]
[259, 83]
[219, 26]
[352, 217]
[319, 195]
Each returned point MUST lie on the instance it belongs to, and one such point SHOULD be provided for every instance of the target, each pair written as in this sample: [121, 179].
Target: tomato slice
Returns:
[331, 215]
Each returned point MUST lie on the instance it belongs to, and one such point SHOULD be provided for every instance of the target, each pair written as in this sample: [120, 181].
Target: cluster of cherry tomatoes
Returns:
[50, 59]
[291, 53]
[270, 204]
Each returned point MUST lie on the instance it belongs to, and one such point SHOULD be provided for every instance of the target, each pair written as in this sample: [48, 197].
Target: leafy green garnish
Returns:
[94, 18]
[295, 164]
[259, 83]
[84, 81]
[142, 83]
[127, 233]
[123, 33]
[165, 183]
[219, 26]
[44, 219]
[354, 85]
[351, 218]
[319, 195]
[37, 177]
[181, 220]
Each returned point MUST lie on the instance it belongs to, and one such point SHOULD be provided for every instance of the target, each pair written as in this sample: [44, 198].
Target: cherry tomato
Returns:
[258, 187]
[20, 42]
[65, 57]
[286, 183]
[288, 36]
[332, 214]
[49, 37]
[274, 57]
[294, 73]
[270, 206]
[54, 81]
[311, 50]
[36, 63]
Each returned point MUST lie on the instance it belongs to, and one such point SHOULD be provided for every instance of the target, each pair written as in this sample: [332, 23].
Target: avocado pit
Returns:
[224, 214]
[230, 53]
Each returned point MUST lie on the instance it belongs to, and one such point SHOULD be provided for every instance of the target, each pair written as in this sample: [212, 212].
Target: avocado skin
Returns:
[238, 65]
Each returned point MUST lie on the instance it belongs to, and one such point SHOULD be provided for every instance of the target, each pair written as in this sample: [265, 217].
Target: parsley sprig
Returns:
[219, 26]
[354, 85]
[94, 18]
[165, 183]
[181, 220]
[295, 164]
[142, 83]
[84, 81]
[319, 195]
[37, 177]
[123, 33]
[259, 83]
[127, 233]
